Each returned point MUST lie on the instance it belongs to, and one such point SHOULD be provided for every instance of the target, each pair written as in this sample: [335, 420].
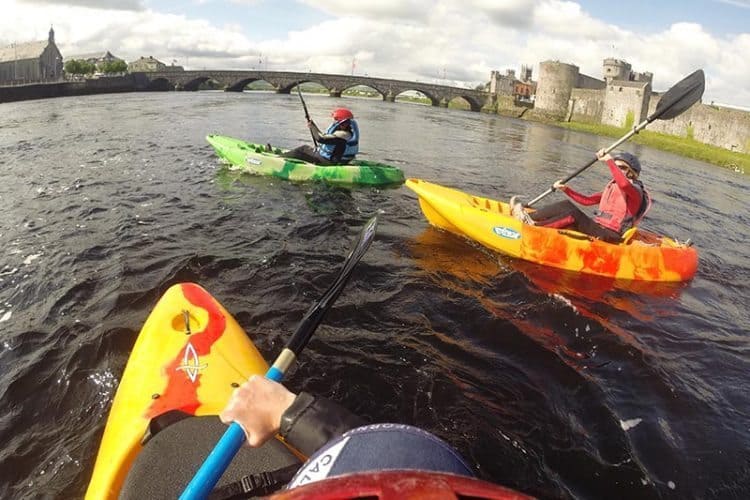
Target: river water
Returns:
[556, 385]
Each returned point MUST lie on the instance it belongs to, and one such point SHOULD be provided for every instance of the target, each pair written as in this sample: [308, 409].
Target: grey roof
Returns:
[22, 51]
[90, 55]
[94, 55]
[148, 59]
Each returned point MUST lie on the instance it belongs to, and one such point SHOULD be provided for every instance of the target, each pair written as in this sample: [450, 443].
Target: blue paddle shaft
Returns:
[221, 456]
[274, 374]
[215, 464]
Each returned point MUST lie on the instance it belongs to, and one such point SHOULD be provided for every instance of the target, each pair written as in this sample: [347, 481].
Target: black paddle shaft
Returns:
[674, 102]
[307, 115]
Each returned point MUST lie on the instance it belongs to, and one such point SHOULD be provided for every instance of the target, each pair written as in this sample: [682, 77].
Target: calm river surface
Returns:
[551, 384]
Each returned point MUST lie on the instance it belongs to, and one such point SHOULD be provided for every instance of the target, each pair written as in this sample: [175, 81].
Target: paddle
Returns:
[225, 450]
[307, 115]
[680, 97]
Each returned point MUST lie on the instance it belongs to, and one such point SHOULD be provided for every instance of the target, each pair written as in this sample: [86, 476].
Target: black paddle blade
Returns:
[680, 97]
[315, 314]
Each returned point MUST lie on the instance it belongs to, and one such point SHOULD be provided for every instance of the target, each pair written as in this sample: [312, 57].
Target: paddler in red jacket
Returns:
[622, 204]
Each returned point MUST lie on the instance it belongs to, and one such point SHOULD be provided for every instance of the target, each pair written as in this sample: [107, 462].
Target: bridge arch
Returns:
[192, 85]
[161, 84]
[332, 90]
[240, 85]
[396, 93]
[363, 91]
[286, 88]
[348, 87]
[474, 105]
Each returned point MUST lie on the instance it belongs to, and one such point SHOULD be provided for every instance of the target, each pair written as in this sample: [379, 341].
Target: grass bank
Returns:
[690, 148]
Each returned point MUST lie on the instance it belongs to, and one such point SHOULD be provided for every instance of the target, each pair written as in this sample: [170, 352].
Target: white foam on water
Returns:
[106, 385]
[565, 301]
[6, 271]
[31, 258]
[629, 424]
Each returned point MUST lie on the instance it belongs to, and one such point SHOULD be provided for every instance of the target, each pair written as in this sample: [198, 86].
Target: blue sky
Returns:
[454, 42]
[717, 16]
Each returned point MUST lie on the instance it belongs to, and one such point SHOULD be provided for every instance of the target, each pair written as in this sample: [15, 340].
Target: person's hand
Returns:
[602, 155]
[257, 405]
[558, 185]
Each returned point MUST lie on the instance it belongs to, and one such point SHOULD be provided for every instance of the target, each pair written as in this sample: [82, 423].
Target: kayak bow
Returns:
[255, 159]
[646, 256]
[189, 356]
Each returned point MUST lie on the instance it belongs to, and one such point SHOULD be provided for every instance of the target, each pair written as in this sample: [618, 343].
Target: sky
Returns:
[452, 42]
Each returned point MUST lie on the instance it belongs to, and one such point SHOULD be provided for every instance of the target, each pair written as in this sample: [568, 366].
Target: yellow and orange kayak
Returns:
[189, 356]
[645, 256]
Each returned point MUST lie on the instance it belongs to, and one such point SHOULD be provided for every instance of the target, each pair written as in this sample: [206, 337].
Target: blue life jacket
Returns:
[352, 144]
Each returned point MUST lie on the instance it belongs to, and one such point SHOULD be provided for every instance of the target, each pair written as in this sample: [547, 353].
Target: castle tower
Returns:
[615, 69]
[556, 83]
[493, 82]
[525, 73]
[645, 76]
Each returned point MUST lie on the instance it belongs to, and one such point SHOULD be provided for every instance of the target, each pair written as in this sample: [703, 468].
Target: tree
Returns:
[116, 66]
[79, 67]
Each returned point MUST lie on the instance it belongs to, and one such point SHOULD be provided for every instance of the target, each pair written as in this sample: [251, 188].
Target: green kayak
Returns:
[255, 159]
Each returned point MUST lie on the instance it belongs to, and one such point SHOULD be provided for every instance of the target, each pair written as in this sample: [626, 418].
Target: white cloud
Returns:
[94, 4]
[389, 10]
[745, 4]
[568, 20]
[512, 14]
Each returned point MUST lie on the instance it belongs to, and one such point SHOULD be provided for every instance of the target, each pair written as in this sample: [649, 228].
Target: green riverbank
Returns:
[739, 162]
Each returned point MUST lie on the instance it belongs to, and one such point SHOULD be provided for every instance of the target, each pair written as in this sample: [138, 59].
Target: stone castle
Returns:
[623, 98]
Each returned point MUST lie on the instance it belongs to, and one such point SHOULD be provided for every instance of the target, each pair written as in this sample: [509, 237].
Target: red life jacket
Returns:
[613, 209]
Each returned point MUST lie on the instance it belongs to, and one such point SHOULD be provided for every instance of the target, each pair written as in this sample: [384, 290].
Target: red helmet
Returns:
[341, 114]
[400, 484]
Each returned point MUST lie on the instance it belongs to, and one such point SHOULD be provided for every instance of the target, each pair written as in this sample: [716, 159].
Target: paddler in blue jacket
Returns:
[338, 145]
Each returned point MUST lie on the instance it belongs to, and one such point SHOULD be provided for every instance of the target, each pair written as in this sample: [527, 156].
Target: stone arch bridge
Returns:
[285, 81]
